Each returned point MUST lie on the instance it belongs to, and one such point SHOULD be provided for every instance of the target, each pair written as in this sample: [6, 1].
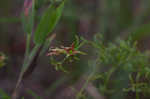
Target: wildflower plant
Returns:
[41, 38]
[119, 71]
[121, 68]
[70, 54]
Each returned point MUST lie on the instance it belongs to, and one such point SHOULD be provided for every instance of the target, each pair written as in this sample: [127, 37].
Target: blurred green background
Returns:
[112, 18]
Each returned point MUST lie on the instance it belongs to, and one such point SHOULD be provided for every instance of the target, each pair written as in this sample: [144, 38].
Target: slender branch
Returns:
[87, 81]
[27, 51]
[28, 62]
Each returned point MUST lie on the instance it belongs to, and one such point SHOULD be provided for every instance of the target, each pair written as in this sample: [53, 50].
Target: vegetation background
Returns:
[111, 18]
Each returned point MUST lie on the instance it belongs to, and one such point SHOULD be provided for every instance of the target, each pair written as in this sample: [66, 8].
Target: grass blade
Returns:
[28, 17]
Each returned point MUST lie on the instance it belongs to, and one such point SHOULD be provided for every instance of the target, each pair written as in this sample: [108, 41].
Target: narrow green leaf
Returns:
[141, 32]
[33, 94]
[4, 95]
[48, 22]
[28, 21]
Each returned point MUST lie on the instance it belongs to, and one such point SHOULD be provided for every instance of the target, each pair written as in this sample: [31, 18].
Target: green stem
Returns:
[87, 81]
[27, 51]
[84, 86]
[109, 75]
[137, 95]
[31, 22]
[137, 79]
[26, 64]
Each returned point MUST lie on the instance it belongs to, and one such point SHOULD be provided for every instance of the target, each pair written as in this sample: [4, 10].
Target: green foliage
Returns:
[4, 95]
[70, 54]
[48, 22]
[141, 32]
[27, 63]
[46, 25]
[28, 16]
[9, 20]
[33, 94]
[121, 67]
[39, 3]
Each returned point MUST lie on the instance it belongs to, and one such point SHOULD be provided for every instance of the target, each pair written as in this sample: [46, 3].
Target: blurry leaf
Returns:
[39, 3]
[48, 22]
[52, 88]
[22, 97]
[47, 44]
[77, 41]
[4, 95]
[143, 13]
[79, 44]
[126, 14]
[120, 82]
[141, 32]
[9, 20]
[33, 94]
[28, 20]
